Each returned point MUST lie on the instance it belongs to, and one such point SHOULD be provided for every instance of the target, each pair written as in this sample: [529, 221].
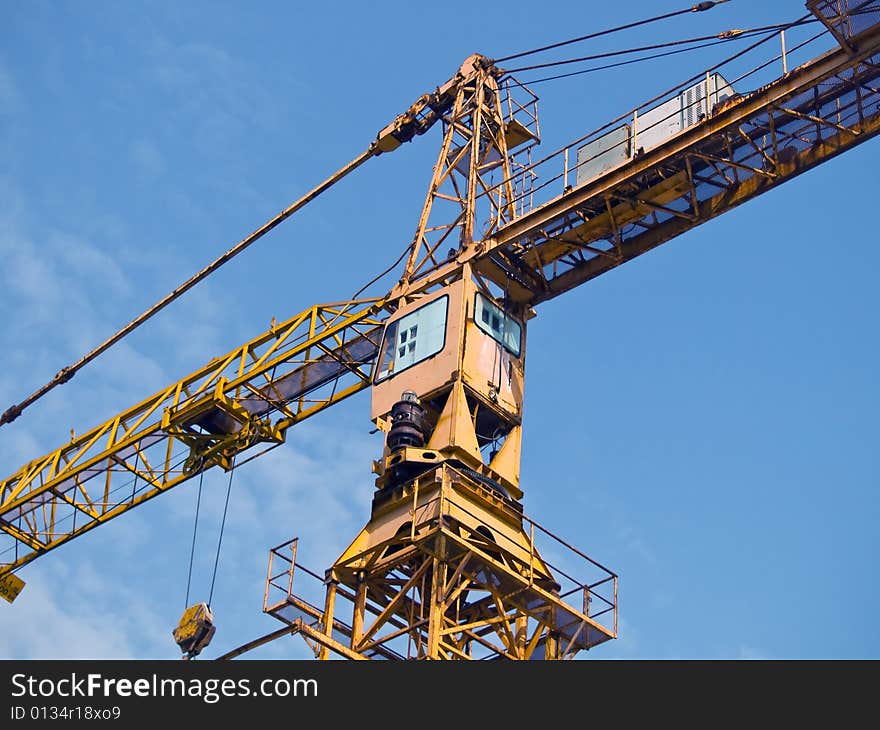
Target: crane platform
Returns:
[463, 576]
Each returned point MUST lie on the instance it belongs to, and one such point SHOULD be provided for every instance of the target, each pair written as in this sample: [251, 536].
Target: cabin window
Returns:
[499, 325]
[413, 338]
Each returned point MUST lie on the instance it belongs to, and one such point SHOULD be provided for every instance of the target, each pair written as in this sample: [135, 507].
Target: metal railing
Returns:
[561, 170]
[550, 570]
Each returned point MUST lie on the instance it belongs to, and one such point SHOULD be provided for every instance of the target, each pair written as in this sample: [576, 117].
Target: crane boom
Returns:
[248, 397]
[255, 393]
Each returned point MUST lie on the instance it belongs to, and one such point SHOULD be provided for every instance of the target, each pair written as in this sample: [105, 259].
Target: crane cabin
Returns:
[448, 385]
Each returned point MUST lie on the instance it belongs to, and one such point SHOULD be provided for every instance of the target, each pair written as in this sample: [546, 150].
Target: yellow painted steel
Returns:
[252, 395]
[10, 587]
[249, 396]
[195, 629]
[479, 134]
[447, 571]
[554, 248]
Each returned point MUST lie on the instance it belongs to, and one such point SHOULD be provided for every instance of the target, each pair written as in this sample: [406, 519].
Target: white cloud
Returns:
[80, 259]
[628, 536]
[58, 297]
[209, 88]
[55, 280]
[44, 623]
[632, 539]
[116, 592]
[306, 488]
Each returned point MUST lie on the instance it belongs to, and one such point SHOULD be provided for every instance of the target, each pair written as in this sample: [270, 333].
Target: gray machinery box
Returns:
[652, 127]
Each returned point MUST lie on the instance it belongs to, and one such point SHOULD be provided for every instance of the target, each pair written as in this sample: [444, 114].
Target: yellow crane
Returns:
[448, 565]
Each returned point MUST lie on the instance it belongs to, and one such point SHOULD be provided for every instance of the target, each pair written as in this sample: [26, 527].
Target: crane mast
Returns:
[448, 565]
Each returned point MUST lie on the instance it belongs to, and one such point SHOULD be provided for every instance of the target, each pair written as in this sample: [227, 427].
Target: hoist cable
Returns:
[222, 528]
[699, 7]
[192, 552]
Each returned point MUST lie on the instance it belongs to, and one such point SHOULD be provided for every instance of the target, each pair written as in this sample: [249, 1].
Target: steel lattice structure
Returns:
[407, 587]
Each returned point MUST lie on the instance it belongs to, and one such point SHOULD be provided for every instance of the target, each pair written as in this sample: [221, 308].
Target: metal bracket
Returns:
[208, 445]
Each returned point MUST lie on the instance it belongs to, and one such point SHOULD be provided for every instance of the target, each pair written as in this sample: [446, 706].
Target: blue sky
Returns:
[701, 420]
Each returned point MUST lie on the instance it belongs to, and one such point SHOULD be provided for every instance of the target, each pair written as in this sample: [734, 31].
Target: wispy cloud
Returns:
[61, 295]
[64, 287]
[308, 489]
[209, 87]
[54, 278]
[47, 623]
[632, 539]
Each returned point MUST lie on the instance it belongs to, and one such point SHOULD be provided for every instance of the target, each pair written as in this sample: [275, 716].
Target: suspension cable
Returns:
[725, 35]
[192, 552]
[658, 97]
[641, 59]
[696, 77]
[699, 7]
[222, 528]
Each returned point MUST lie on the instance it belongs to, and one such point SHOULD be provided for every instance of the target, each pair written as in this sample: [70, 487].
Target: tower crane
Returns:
[448, 565]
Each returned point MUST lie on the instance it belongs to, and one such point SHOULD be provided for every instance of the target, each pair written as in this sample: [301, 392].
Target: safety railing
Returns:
[548, 571]
[696, 99]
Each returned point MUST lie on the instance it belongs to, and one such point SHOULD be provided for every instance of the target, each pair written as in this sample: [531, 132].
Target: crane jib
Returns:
[250, 396]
